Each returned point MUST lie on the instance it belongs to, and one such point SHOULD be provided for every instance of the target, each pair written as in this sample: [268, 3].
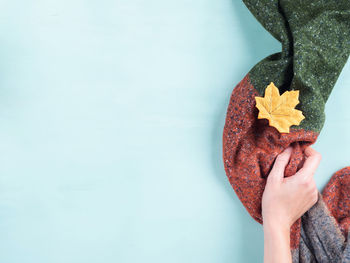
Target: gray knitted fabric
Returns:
[321, 239]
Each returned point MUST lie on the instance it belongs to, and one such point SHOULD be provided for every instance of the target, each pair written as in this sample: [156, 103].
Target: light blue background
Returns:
[111, 119]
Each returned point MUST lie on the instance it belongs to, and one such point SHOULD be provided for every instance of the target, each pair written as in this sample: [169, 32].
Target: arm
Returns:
[285, 199]
[276, 243]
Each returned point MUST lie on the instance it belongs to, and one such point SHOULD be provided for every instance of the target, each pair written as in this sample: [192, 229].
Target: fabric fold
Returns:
[315, 39]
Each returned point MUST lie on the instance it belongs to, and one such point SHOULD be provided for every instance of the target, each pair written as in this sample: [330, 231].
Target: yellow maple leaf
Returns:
[279, 109]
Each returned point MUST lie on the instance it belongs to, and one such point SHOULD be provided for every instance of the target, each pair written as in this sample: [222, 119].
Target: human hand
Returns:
[285, 199]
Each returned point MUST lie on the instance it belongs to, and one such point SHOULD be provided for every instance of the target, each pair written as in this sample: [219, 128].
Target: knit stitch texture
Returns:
[315, 39]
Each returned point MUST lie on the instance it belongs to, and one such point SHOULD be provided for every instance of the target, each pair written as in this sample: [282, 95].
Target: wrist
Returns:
[276, 241]
[276, 226]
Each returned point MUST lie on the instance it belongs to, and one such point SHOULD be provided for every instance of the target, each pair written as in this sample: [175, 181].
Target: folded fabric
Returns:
[315, 38]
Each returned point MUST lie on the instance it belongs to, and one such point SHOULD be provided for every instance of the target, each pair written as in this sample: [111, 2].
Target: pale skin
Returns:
[285, 199]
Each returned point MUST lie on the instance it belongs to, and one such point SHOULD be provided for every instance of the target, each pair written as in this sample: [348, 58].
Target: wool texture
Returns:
[315, 39]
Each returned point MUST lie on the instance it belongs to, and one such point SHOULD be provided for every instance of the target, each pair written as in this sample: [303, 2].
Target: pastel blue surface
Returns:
[111, 119]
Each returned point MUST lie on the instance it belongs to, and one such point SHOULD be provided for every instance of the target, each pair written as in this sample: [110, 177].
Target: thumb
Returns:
[277, 171]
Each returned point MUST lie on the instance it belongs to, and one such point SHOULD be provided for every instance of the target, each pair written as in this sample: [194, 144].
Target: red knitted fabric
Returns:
[250, 147]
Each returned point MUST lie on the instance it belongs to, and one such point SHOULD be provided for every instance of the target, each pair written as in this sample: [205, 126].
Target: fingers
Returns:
[311, 163]
[310, 151]
[277, 172]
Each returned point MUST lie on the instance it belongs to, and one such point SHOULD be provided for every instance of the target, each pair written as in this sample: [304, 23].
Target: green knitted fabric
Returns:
[315, 38]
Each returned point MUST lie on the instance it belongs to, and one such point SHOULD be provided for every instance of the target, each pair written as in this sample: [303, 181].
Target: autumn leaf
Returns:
[279, 109]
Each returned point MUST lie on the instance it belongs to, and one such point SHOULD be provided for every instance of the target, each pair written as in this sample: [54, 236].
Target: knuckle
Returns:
[308, 184]
[312, 184]
[305, 181]
[312, 188]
